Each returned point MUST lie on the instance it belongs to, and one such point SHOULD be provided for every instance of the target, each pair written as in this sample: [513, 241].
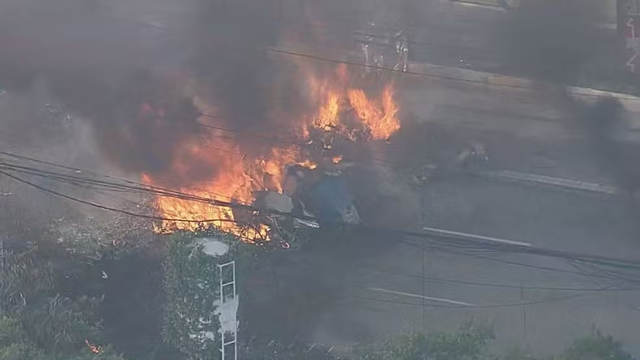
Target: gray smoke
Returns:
[602, 121]
[559, 43]
[550, 40]
[93, 58]
[106, 60]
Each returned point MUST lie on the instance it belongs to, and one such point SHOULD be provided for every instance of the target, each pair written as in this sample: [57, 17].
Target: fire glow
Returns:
[96, 349]
[339, 108]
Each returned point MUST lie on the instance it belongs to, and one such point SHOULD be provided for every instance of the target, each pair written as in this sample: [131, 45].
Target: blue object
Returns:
[329, 199]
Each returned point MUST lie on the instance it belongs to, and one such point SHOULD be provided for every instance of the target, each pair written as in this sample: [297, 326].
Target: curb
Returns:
[548, 181]
[455, 73]
[630, 102]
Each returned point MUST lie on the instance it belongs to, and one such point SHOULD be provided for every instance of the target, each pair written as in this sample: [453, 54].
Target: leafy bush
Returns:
[192, 288]
[596, 346]
[37, 322]
[469, 343]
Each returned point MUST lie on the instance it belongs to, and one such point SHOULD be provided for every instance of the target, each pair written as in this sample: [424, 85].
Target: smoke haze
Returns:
[107, 60]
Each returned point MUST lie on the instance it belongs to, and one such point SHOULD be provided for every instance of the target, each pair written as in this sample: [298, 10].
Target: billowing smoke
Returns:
[92, 58]
[124, 66]
[603, 122]
[558, 43]
[551, 40]
[231, 60]
[253, 87]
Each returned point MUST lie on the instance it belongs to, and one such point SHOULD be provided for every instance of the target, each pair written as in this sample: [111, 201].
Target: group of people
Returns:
[385, 51]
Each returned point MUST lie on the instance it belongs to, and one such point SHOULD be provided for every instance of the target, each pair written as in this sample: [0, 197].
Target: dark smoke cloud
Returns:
[105, 60]
[603, 121]
[99, 60]
[550, 40]
[108, 62]
[249, 83]
[558, 42]
[230, 60]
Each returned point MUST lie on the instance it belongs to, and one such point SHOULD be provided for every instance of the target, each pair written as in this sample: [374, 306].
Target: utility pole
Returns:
[423, 194]
[524, 316]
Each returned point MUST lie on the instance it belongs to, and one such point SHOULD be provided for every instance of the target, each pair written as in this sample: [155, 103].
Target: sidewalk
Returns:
[630, 102]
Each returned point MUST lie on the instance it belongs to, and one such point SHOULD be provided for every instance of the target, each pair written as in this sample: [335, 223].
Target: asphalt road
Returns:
[488, 38]
[383, 294]
[366, 287]
[455, 34]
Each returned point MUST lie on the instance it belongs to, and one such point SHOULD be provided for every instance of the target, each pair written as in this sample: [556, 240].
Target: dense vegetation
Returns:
[470, 343]
[38, 321]
[192, 288]
[50, 312]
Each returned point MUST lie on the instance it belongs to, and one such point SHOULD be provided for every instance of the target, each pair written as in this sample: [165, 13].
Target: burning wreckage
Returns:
[312, 197]
[284, 186]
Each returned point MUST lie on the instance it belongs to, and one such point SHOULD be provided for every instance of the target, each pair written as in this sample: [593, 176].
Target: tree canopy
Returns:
[470, 342]
[39, 323]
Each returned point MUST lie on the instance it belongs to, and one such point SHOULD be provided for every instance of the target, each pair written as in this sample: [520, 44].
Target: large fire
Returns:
[340, 108]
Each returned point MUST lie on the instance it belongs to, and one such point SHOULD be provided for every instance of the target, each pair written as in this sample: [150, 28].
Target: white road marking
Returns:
[448, 301]
[465, 236]
[548, 180]
[471, 4]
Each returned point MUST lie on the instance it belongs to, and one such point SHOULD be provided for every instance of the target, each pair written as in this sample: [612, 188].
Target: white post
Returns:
[223, 302]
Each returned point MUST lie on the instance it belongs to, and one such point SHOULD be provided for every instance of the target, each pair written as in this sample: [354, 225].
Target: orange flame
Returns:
[376, 114]
[328, 114]
[96, 349]
[238, 182]
[379, 117]
[339, 107]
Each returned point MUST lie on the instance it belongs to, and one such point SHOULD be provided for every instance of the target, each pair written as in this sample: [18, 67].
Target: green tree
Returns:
[596, 346]
[468, 343]
[14, 344]
[37, 322]
[192, 289]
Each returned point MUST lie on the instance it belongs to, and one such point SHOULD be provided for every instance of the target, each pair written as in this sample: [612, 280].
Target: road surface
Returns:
[375, 285]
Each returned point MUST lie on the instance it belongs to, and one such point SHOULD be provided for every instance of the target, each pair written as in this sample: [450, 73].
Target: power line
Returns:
[183, 196]
[441, 243]
[137, 186]
[450, 244]
[492, 285]
[310, 25]
[229, 220]
[253, 134]
[283, 142]
[533, 250]
[471, 307]
[509, 262]
[444, 77]
[458, 243]
[391, 70]
[459, 252]
[79, 181]
[103, 207]
[84, 171]
[414, 73]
